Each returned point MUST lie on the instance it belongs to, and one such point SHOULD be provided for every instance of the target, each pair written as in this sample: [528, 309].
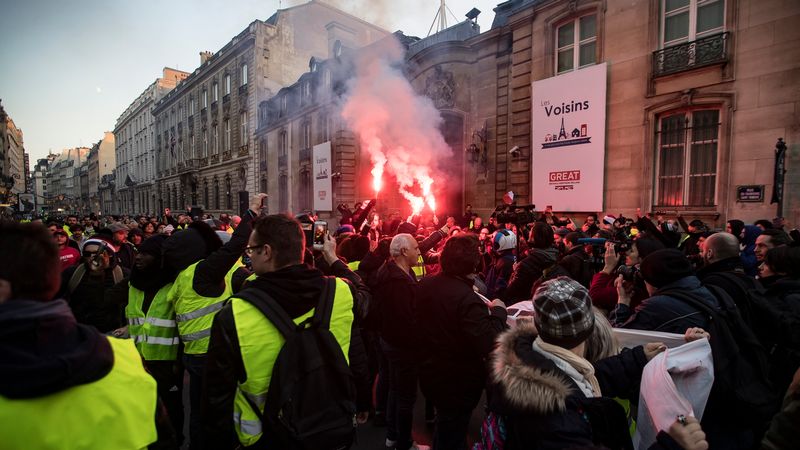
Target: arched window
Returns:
[228, 194]
[216, 194]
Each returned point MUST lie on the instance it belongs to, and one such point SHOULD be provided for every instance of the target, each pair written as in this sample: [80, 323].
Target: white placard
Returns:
[321, 167]
[568, 139]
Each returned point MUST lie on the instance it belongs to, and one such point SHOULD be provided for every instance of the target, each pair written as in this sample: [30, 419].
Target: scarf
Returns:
[579, 369]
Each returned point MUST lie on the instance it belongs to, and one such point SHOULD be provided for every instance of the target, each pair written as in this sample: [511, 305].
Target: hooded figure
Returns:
[151, 325]
[748, 254]
[208, 274]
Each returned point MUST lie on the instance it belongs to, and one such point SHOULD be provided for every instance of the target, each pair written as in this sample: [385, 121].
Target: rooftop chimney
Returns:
[205, 56]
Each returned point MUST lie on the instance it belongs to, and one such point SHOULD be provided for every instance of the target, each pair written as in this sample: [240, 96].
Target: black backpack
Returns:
[741, 373]
[311, 397]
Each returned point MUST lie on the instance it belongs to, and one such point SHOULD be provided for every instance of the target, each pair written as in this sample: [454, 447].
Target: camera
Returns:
[621, 246]
[629, 273]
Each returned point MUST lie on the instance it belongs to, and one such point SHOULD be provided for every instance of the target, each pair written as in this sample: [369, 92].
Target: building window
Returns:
[263, 184]
[216, 194]
[688, 20]
[305, 190]
[228, 194]
[191, 146]
[282, 143]
[227, 135]
[227, 84]
[306, 134]
[205, 98]
[283, 104]
[687, 158]
[306, 91]
[243, 128]
[205, 145]
[283, 193]
[215, 139]
[205, 194]
[262, 151]
[215, 93]
[326, 78]
[191, 106]
[244, 74]
[576, 43]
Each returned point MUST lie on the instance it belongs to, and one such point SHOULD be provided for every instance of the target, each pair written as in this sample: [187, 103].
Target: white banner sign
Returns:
[569, 135]
[323, 191]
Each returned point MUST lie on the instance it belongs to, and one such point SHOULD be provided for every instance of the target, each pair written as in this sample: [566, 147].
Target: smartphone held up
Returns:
[320, 231]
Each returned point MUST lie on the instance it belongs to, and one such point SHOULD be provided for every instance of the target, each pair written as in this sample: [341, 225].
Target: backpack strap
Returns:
[76, 278]
[324, 309]
[270, 308]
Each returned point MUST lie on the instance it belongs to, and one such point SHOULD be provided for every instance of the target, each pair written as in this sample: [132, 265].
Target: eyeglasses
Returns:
[252, 248]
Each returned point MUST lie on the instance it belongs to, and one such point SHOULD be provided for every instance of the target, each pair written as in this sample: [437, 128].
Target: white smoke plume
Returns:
[398, 128]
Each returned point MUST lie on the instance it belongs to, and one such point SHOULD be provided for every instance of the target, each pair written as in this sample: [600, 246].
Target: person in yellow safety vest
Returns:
[64, 385]
[207, 272]
[244, 344]
[152, 326]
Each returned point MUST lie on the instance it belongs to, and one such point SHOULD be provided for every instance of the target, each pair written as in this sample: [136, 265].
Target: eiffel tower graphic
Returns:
[562, 133]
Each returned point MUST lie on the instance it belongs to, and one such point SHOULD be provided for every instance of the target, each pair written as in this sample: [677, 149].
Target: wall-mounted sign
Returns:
[569, 136]
[321, 167]
[750, 193]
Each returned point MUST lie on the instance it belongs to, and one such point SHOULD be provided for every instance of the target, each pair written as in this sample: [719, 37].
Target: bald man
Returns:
[723, 268]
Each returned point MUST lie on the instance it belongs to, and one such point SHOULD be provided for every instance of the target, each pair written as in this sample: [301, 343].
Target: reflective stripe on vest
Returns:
[259, 344]
[419, 268]
[353, 265]
[195, 313]
[155, 333]
[116, 411]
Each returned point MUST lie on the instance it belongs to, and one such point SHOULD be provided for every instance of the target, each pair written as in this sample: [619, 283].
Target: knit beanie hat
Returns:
[153, 244]
[666, 266]
[564, 314]
[646, 246]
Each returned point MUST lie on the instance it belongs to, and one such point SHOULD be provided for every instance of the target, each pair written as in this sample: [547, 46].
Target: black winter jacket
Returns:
[526, 272]
[394, 294]
[543, 408]
[728, 275]
[297, 289]
[661, 312]
[456, 334]
[97, 301]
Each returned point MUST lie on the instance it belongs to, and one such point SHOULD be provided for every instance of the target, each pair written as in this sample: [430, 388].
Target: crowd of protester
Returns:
[408, 305]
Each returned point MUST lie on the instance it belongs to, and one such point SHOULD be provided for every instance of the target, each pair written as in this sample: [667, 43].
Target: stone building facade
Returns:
[12, 159]
[698, 95]
[63, 180]
[135, 146]
[205, 127]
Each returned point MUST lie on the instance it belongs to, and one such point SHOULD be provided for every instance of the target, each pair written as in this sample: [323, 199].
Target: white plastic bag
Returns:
[677, 381]
[517, 310]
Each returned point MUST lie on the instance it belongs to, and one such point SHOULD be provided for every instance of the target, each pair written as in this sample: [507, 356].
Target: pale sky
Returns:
[68, 69]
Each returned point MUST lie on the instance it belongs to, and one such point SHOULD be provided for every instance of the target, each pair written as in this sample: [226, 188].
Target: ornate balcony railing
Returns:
[244, 150]
[202, 162]
[226, 155]
[691, 55]
[214, 159]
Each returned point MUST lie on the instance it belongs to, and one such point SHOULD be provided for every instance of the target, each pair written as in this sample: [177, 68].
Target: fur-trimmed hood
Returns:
[529, 381]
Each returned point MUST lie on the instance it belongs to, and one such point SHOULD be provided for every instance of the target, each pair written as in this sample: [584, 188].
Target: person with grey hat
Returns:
[545, 391]
[126, 253]
[664, 271]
